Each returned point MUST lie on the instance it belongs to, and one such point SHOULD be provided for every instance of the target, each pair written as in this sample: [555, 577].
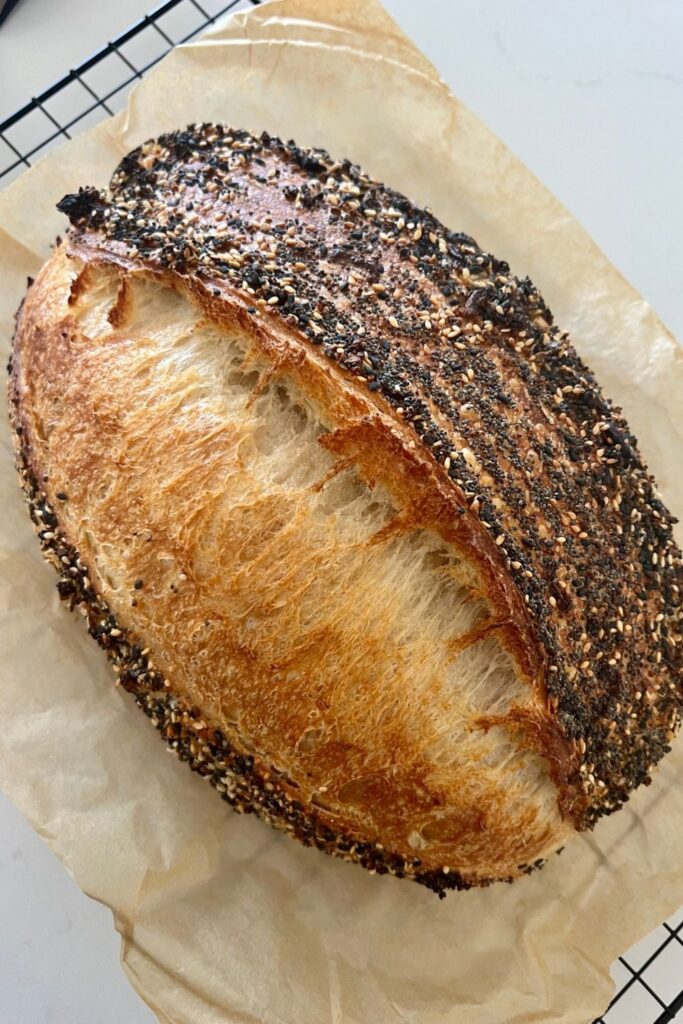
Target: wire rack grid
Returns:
[649, 977]
[99, 86]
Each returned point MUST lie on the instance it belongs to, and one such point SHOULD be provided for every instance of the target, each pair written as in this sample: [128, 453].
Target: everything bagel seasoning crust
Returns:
[493, 430]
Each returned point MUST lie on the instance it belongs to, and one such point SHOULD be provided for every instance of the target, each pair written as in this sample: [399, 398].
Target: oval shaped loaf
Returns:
[351, 518]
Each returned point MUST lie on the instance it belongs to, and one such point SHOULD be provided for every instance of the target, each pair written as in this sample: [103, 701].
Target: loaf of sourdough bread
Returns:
[350, 517]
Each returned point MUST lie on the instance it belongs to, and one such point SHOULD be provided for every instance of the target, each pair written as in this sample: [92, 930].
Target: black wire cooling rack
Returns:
[649, 978]
[100, 85]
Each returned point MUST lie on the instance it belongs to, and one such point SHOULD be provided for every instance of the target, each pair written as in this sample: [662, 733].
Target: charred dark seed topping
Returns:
[467, 355]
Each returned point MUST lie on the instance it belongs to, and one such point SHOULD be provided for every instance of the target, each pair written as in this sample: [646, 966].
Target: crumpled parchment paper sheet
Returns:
[222, 919]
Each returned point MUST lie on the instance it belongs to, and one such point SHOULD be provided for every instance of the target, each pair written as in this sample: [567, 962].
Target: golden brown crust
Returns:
[247, 785]
[441, 380]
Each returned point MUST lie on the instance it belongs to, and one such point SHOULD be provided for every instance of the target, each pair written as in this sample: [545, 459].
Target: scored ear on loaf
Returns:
[350, 517]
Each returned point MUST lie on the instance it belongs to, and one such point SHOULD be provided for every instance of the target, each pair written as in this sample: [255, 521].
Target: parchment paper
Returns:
[222, 919]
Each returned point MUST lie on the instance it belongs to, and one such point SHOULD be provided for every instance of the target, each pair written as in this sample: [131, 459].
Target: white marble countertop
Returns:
[591, 97]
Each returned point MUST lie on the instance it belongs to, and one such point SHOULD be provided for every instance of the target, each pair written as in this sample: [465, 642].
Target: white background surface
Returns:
[590, 95]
